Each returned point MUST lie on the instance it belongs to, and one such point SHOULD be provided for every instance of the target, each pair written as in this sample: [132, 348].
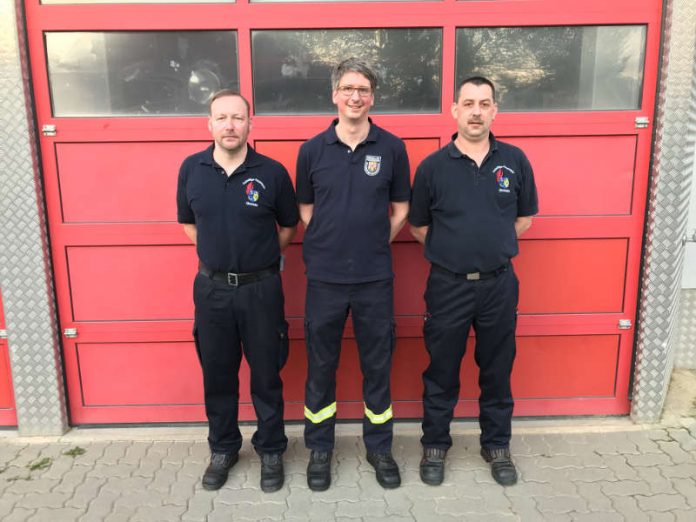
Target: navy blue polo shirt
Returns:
[236, 216]
[347, 240]
[471, 210]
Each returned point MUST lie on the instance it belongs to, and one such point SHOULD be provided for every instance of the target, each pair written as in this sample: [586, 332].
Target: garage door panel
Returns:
[120, 182]
[565, 366]
[139, 374]
[556, 275]
[122, 283]
[294, 281]
[546, 367]
[132, 374]
[161, 373]
[582, 175]
[411, 273]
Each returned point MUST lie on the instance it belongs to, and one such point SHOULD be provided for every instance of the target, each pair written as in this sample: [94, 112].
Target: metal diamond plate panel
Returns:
[25, 271]
[668, 212]
[686, 333]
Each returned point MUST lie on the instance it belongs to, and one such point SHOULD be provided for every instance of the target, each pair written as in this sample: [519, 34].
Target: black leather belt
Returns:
[233, 279]
[473, 276]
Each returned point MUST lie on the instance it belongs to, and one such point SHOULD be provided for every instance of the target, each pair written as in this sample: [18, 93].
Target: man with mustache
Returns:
[471, 200]
[238, 207]
[348, 179]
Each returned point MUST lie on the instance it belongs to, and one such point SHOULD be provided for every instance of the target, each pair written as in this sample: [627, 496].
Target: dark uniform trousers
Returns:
[229, 319]
[327, 307]
[454, 304]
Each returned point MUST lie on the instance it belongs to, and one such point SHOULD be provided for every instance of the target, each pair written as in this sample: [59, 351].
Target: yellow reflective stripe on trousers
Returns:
[321, 415]
[381, 418]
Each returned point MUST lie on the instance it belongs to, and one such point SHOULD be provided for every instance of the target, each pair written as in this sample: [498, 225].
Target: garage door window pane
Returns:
[557, 68]
[325, 1]
[292, 69]
[137, 1]
[139, 73]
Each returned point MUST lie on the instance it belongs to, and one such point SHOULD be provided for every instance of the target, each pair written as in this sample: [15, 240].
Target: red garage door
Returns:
[8, 417]
[120, 93]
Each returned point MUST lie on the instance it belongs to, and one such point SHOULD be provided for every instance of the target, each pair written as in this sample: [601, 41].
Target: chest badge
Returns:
[372, 165]
[252, 190]
[502, 179]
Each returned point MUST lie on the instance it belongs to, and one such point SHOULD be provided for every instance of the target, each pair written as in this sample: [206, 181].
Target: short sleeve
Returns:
[419, 212]
[286, 204]
[527, 201]
[184, 213]
[305, 191]
[400, 189]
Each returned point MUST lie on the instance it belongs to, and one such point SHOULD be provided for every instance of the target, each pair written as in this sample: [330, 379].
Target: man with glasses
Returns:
[471, 200]
[238, 207]
[349, 178]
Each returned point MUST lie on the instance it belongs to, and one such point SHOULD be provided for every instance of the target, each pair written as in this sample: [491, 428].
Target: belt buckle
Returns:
[232, 279]
[473, 276]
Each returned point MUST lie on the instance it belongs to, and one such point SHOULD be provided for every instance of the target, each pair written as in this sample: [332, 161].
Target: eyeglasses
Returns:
[348, 90]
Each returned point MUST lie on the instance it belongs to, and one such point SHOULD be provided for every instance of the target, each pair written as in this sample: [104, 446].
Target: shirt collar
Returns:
[253, 158]
[454, 152]
[330, 136]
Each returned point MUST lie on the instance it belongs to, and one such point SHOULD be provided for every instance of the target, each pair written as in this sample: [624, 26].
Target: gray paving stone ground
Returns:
[596, 469]
[585, 470]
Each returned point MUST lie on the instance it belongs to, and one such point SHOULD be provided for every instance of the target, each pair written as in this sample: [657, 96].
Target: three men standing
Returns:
[471, 200]
[239, 209]
[348, 179]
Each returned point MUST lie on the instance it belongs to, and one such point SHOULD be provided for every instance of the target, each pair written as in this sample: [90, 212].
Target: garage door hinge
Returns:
[48, 130]
[70, 333]
[625, 324]
[3, 334]
[642, 122]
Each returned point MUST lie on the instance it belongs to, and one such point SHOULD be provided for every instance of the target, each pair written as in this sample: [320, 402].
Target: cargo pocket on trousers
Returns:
[284, 345]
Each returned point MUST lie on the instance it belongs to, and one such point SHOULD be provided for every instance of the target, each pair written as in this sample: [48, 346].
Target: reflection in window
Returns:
[557, 68]
[292, 69]
[139, 73]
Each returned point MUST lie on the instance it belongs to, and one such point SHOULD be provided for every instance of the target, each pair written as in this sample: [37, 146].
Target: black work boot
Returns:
[319, 470]
[272, 473]
[216, 473]
[432, 466]
[502, 467]
[386, 469]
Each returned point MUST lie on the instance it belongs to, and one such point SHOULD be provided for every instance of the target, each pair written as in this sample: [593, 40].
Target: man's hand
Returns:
[285, 235]
[419, 233]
